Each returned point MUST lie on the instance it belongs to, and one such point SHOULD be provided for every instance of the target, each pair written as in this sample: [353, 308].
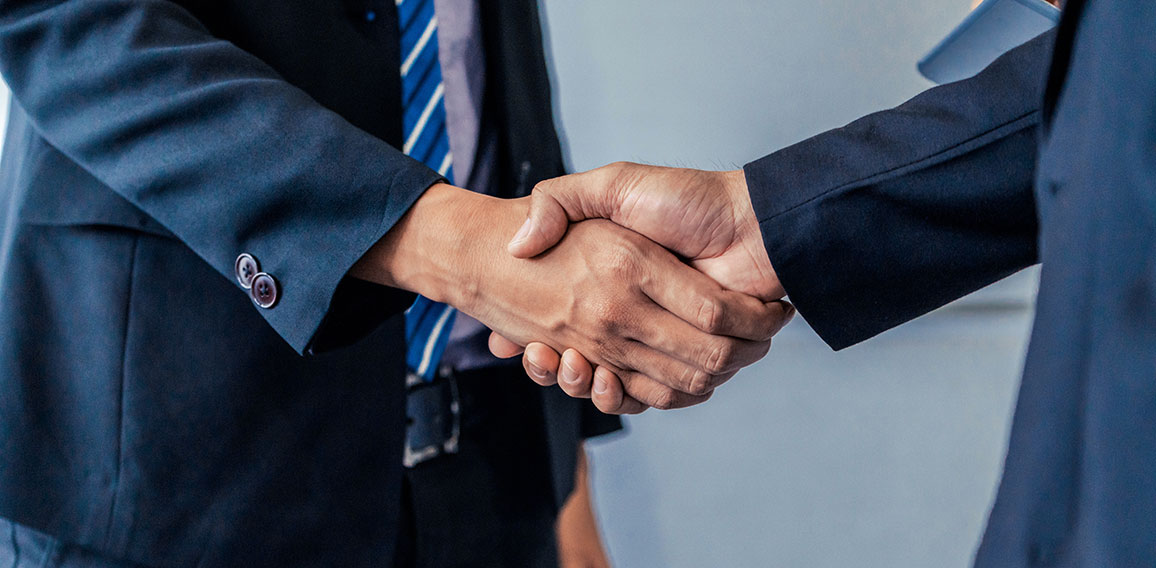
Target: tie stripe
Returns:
[436, 152]
[434, 104]
[439, 327]
[426, 139]
[407, 9]
[444, 167]
[418, 49]
[423, 79]
[431, 146]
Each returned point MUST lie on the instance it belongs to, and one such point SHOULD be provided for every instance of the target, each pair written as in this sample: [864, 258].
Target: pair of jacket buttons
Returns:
[262, 287]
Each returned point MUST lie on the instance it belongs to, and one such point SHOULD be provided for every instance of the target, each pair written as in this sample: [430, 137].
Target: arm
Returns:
[903, 211]
[579, 541]
[865, 227]
[579, 544]
[209, 141]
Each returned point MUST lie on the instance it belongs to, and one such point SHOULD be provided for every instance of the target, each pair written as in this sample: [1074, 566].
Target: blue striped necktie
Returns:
[427, 323]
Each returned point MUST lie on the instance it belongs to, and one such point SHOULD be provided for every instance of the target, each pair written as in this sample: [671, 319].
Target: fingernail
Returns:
[523, 233]
[569, 374]
[601, 386]
[536, 371]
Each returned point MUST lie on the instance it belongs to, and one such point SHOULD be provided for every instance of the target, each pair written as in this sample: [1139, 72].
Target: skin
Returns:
[704, 217]
[579, 543]
[668, 333]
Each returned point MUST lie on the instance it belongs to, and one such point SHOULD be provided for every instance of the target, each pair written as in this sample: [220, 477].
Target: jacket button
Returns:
[246, 268]
[264, 292]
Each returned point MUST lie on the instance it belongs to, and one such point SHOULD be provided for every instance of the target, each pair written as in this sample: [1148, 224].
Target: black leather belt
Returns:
[438, 411]
[433, 418]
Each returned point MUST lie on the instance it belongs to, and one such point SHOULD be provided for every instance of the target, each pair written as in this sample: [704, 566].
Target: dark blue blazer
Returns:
[1040, 158]
[148, 409]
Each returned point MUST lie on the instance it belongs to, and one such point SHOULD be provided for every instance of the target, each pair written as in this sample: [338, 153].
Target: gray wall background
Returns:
[886, 454]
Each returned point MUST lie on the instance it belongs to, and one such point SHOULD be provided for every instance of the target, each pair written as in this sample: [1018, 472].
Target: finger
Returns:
[541, 364]
[555, 203]
[703, 303]
[709, 355]
[669, 370]
[503, 348]
[654, 394]
[545, 225]
[575, 376]
[609, 397]
[650, 392]
[783, 311]
[675, 353]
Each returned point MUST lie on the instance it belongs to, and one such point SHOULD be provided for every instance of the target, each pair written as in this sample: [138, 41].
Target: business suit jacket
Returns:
[148, 409]
[876, 223]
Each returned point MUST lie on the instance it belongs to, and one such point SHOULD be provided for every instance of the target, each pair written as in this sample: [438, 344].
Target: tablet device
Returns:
[992, 28]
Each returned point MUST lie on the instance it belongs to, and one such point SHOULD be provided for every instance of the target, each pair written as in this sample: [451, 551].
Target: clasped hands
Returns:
[636, 325]
[704, 217]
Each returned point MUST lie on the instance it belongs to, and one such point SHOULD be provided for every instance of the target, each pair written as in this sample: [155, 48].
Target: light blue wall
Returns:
[714, 83]
[885, 455]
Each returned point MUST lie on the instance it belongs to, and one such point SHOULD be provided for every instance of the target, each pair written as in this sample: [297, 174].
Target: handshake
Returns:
[636, 286]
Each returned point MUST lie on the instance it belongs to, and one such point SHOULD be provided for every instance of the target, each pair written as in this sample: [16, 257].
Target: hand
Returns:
[706, 217]
[608, 292]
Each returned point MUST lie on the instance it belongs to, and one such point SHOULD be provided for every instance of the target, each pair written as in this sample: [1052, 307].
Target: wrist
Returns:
[423, 252]
[446, 247]
[750, 235]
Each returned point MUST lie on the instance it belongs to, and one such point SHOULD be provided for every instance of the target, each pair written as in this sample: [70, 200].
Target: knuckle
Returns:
[619, 168]
[619, 261]
[698, 382]
[606, 314]
[619, 177]
[665, 399]
[608, 349]
[541, 188]
[710, 315]
[721, 357]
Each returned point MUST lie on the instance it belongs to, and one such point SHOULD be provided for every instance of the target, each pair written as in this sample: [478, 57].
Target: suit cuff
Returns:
[321, 308]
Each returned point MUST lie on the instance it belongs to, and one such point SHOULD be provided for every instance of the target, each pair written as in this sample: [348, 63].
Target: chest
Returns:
[1098, 153]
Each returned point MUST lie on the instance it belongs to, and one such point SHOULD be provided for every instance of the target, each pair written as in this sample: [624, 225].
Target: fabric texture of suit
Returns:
[150, 411]
[900, 212]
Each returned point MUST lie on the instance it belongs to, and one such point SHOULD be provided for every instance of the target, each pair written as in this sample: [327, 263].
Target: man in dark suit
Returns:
[214, 215]
[900, 212]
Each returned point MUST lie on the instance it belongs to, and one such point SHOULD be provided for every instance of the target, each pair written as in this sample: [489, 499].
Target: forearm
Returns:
[579, 542]
[914, 207]
[209, 141]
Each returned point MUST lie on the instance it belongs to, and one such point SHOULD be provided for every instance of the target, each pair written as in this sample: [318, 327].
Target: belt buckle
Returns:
[433, 418]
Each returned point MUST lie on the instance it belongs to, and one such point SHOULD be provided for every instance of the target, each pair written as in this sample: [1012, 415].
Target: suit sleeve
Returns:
[211, 142]
[876, 223]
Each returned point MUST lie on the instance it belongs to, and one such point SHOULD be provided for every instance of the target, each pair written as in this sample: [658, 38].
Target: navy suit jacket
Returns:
[1042, 157]
[148, 409]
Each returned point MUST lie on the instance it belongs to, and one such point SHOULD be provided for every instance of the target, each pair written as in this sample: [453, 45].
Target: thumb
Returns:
[545, 225]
